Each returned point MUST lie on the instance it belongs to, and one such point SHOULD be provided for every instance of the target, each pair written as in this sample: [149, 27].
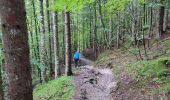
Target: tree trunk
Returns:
[110, 32]
[42, 51]
[35, 26]
[117, 43]
[68, 70]
[95, 39]
[161, 19]
[16, 49]
[56, 45]
[49, 38]
[1, 87]
[165, 20]
[37, 40]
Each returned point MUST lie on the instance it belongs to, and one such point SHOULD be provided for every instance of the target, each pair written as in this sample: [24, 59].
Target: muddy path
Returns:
[94, 84]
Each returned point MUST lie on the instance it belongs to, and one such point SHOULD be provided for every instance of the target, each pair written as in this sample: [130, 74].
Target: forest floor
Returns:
[111, 78]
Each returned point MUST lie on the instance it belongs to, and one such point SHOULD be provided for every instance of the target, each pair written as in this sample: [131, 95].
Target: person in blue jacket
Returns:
[76, 58]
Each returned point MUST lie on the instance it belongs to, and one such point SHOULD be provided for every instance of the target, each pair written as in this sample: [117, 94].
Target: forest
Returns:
[123, 49]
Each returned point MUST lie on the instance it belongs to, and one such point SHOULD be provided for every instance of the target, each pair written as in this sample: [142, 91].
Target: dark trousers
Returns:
[76, 62]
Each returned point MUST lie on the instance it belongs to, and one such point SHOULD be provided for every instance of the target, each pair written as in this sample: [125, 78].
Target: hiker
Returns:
[76, 58]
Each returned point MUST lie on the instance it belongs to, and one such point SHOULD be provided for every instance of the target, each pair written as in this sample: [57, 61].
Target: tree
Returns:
[1, 87]
[42, 51]
[161, 17]
[37, 39]
[56, 45]
[49, 37]
[16, 49]
[1, 64]
[68, 55]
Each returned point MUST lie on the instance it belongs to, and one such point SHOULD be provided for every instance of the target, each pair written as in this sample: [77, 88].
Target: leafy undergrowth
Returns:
[154, 72]
[61, 89]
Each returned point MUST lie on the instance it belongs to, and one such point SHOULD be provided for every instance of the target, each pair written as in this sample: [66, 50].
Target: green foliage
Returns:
[153, 71]
[128, 41]
[115, 5]
[127, 45]
[60, 89]
[70, 5]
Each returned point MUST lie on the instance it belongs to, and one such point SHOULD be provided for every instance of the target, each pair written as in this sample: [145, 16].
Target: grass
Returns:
[61, 89]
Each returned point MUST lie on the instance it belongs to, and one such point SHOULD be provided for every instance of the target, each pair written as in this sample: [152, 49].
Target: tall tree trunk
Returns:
[1, 64]
[42, 51]
[68, 68]
[161, 18]
[110, 32]
[143, 31]
[16, 49]
[1, 87]
[37, 40]
[56, 45]
[49, 38]
[90, 31]
[35, 26]
[95, 39]
[117, 43]
[165, 20]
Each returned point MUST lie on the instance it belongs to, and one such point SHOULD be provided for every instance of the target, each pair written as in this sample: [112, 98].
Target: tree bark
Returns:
[37, 40]
[117, 33]
[56, 45]
[95, 36]
[1, 87]
[16, 49]
[49, 38]
[1, 64]
[110, 32]
[42, 51]
[161, 18]
[68, 68]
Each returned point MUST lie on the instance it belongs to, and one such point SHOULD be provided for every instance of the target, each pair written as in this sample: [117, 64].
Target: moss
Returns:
[61, 89]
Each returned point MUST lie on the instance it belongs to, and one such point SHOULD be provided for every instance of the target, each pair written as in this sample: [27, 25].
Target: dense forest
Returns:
[126, 39]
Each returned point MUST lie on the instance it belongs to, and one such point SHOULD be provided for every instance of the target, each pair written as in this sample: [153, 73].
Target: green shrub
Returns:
[61, 89]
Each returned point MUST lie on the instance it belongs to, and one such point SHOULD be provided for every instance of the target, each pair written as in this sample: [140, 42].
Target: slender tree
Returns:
[68, 68]
[1, 64]
[42, 51]
[49, 37]
[1, 87]
[161, 17]
[37, 39]
[56, 45]
[16, 49]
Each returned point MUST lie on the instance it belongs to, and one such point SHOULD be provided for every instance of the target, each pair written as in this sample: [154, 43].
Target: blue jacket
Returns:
[76, 55]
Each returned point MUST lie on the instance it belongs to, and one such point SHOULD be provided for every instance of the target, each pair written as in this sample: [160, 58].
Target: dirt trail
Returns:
[85, 61]
[94, 84]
